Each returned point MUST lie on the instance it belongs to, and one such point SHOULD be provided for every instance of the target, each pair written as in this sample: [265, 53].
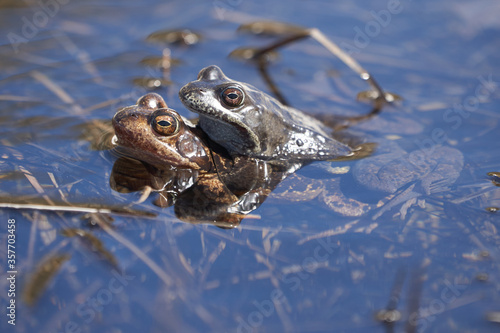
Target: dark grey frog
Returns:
[246, 121]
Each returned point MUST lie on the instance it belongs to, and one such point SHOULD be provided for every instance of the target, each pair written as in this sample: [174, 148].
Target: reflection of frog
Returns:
[397, 179]
[246, 121]
[298, 188]
[223, 188]
[436, 168]
[408, 176]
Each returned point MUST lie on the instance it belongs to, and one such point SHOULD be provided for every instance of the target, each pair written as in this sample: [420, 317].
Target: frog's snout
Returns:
[211, 73]
[184, 92]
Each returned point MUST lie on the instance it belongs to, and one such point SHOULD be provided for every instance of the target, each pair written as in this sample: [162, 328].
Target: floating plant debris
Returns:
[177, 36]
[93, 242]
[272, 28]
[44, 273]
[151, 82]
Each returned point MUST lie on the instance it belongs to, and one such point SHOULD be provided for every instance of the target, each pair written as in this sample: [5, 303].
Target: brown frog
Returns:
[153, 133]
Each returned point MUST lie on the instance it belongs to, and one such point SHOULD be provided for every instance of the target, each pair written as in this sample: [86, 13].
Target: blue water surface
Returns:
[291, 266]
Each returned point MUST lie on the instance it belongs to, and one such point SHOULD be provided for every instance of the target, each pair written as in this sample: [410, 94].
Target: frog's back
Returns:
[291, 134]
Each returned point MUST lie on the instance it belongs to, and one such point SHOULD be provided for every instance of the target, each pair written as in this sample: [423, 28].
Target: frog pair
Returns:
[240, 121]
[216, 187]
[245, 144]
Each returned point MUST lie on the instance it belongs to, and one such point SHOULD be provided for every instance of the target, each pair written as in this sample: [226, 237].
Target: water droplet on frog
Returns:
[249, 202]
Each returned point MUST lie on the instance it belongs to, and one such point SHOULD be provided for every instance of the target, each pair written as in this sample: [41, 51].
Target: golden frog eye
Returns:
[232, 97]
[152, 101]
[165, 123]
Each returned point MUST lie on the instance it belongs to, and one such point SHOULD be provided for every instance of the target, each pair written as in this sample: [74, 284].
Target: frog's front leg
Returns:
[333, 198]
[326, 191]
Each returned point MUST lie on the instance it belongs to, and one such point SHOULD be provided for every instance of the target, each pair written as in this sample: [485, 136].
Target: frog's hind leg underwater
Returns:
[295, 33]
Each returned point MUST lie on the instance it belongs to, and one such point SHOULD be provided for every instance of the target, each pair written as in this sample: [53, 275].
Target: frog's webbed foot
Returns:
[338, 203]
[326, 191]
[408, 197]
[208, 201]
[358, 152]
[293, 33]
[495, 178]
[412, 196]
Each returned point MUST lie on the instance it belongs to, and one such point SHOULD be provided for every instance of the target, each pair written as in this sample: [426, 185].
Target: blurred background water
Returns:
[299, 267]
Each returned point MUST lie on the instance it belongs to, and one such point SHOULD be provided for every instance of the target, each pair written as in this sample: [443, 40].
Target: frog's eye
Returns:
[164, 123]
[152, 101]
[232, 97]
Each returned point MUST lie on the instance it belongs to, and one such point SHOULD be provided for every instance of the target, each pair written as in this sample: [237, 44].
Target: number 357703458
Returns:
[11, 241]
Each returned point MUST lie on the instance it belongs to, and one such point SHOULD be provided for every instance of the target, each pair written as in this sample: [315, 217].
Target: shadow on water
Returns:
[405, 239]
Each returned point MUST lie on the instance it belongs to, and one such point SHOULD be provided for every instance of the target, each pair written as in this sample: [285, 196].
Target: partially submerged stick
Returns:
[297, 33]
[77, 209]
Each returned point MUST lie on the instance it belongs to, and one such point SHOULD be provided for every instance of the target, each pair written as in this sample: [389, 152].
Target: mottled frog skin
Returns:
[246, 121]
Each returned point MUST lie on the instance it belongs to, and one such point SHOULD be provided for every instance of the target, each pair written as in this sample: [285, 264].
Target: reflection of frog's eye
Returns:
[152, 101]
[232, 97]
[164, 123]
